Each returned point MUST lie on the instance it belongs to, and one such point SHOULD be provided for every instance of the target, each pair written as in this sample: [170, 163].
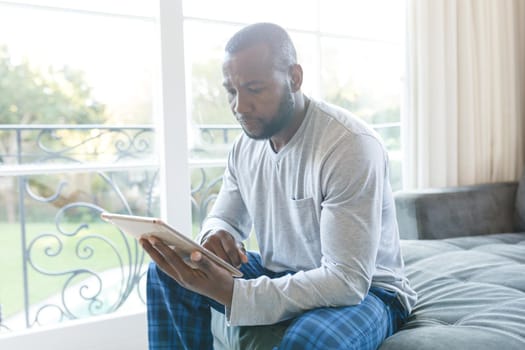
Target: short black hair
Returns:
[276, 37]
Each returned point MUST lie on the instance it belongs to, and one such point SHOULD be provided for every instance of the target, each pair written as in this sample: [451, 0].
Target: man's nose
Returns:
[242, 105]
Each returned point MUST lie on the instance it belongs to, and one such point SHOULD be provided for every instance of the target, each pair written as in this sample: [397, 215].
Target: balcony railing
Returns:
[65, 263]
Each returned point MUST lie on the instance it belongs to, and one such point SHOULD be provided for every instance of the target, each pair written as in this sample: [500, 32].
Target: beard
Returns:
[281, 120]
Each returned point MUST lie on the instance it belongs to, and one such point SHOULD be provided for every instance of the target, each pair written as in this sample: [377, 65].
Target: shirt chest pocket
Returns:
[304, 219]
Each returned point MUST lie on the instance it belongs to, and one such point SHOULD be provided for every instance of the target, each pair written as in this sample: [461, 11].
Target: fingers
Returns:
[207, 278]
[152, 252]
[222, 292]
[225, 247]
[165, 258]
[215, 245]
[242, 253]
[232, 251]
[205, 264]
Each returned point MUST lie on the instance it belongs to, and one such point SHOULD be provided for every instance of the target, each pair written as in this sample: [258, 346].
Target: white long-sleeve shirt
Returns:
[321, 206]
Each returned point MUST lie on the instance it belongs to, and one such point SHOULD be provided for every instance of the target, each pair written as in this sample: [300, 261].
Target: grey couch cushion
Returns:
[520, 205]
[471, 294]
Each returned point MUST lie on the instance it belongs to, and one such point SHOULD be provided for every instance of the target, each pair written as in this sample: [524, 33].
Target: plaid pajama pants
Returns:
[180, 319]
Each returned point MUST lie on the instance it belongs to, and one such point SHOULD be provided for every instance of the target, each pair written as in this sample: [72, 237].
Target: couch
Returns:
[464, 251]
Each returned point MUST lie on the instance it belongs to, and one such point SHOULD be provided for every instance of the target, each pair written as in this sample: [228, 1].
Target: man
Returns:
[312, 182]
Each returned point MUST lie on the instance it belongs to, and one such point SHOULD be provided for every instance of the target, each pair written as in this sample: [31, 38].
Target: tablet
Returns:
[141, 226]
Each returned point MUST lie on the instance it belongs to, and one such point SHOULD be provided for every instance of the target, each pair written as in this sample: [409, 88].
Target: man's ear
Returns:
[296, 77]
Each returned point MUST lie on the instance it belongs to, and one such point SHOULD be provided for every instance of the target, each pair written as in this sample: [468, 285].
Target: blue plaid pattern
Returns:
[180, 319]
[362, 326]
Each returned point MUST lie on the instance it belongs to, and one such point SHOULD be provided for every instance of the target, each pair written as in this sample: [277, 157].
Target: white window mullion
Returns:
[172, 123]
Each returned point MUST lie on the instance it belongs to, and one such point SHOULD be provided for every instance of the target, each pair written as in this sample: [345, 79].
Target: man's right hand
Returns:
[225, 247]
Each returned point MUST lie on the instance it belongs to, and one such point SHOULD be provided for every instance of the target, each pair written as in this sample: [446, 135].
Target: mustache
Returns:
[243, 118]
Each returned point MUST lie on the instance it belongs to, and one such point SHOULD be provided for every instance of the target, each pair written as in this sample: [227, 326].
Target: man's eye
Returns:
[255, 90]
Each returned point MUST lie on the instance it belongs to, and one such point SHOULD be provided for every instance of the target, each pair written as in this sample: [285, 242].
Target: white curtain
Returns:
[464, 118]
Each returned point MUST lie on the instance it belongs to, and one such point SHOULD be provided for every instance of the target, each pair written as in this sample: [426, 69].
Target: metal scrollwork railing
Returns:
[204, 192]
[56, 180]
[61, 178]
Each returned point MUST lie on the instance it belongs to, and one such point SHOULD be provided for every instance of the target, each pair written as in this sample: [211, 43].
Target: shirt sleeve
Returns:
[352, 180]
[229, 212]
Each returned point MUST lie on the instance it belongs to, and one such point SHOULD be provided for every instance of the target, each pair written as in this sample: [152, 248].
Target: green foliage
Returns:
[30, 95]
[210, 104]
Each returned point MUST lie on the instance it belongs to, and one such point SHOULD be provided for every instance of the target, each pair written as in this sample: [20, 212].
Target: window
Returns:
[78, 111]
[76, 138]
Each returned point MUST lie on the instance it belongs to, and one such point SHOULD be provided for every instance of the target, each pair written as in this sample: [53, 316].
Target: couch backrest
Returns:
[457, 211]
[520, 205]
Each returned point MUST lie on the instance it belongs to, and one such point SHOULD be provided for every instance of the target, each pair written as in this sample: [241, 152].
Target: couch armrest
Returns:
[456, 211]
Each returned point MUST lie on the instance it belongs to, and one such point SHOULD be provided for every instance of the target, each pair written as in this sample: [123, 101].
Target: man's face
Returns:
[260, 95]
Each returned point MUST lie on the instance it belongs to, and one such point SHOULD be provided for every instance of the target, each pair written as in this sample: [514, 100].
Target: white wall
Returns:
[126, 332]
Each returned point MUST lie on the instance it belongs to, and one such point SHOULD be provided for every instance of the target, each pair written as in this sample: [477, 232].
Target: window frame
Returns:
[169, 102]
